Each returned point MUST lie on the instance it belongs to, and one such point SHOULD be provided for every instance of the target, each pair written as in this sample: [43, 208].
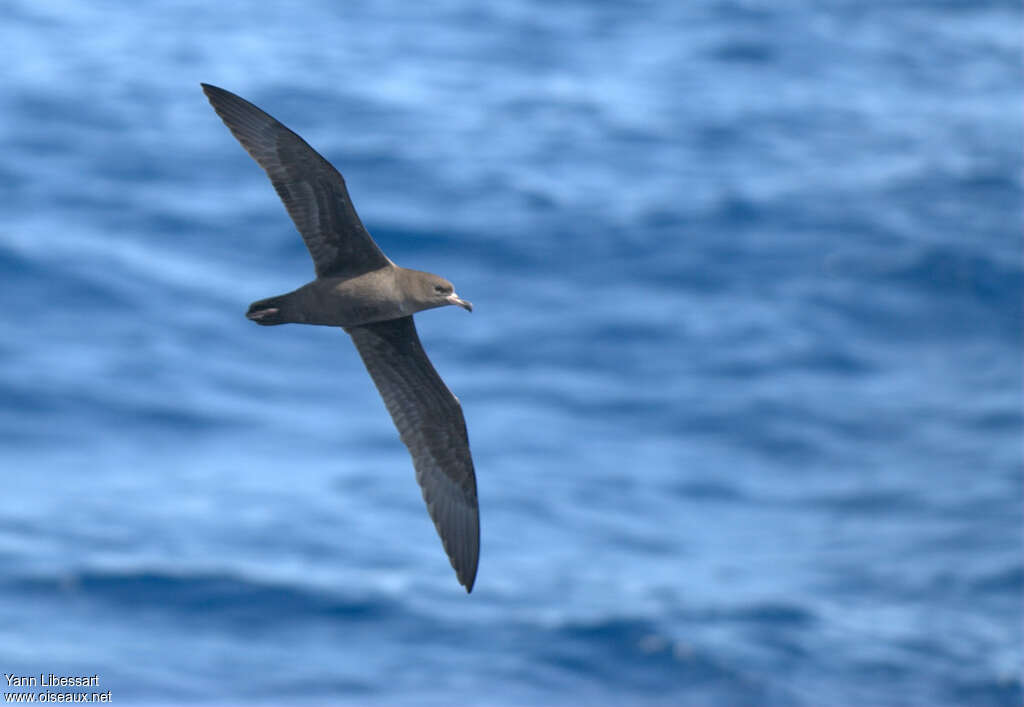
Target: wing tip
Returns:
[210, 90]
[466, 561]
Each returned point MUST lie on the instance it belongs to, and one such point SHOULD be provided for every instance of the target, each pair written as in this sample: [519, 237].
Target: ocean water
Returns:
[743, 383]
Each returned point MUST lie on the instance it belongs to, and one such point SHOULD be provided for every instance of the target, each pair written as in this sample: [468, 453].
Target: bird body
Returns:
[360, 289]
[387, 293]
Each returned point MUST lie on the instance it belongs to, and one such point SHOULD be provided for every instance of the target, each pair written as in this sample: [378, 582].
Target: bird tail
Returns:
[268, 311]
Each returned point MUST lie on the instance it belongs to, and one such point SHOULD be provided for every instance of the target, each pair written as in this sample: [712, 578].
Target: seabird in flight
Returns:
[358, 288]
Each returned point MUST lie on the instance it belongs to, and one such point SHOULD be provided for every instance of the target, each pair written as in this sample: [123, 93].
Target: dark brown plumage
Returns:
[358, 287]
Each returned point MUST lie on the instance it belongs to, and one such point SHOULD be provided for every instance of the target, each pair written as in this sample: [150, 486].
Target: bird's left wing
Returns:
[313, 191]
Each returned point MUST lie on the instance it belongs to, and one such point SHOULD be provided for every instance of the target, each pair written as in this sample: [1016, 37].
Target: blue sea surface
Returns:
[743, 383]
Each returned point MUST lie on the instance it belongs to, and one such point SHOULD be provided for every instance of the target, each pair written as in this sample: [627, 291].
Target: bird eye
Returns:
[441, 289]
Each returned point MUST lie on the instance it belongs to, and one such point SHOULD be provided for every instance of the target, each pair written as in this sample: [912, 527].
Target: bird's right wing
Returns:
[430, 422]
[311, 188]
